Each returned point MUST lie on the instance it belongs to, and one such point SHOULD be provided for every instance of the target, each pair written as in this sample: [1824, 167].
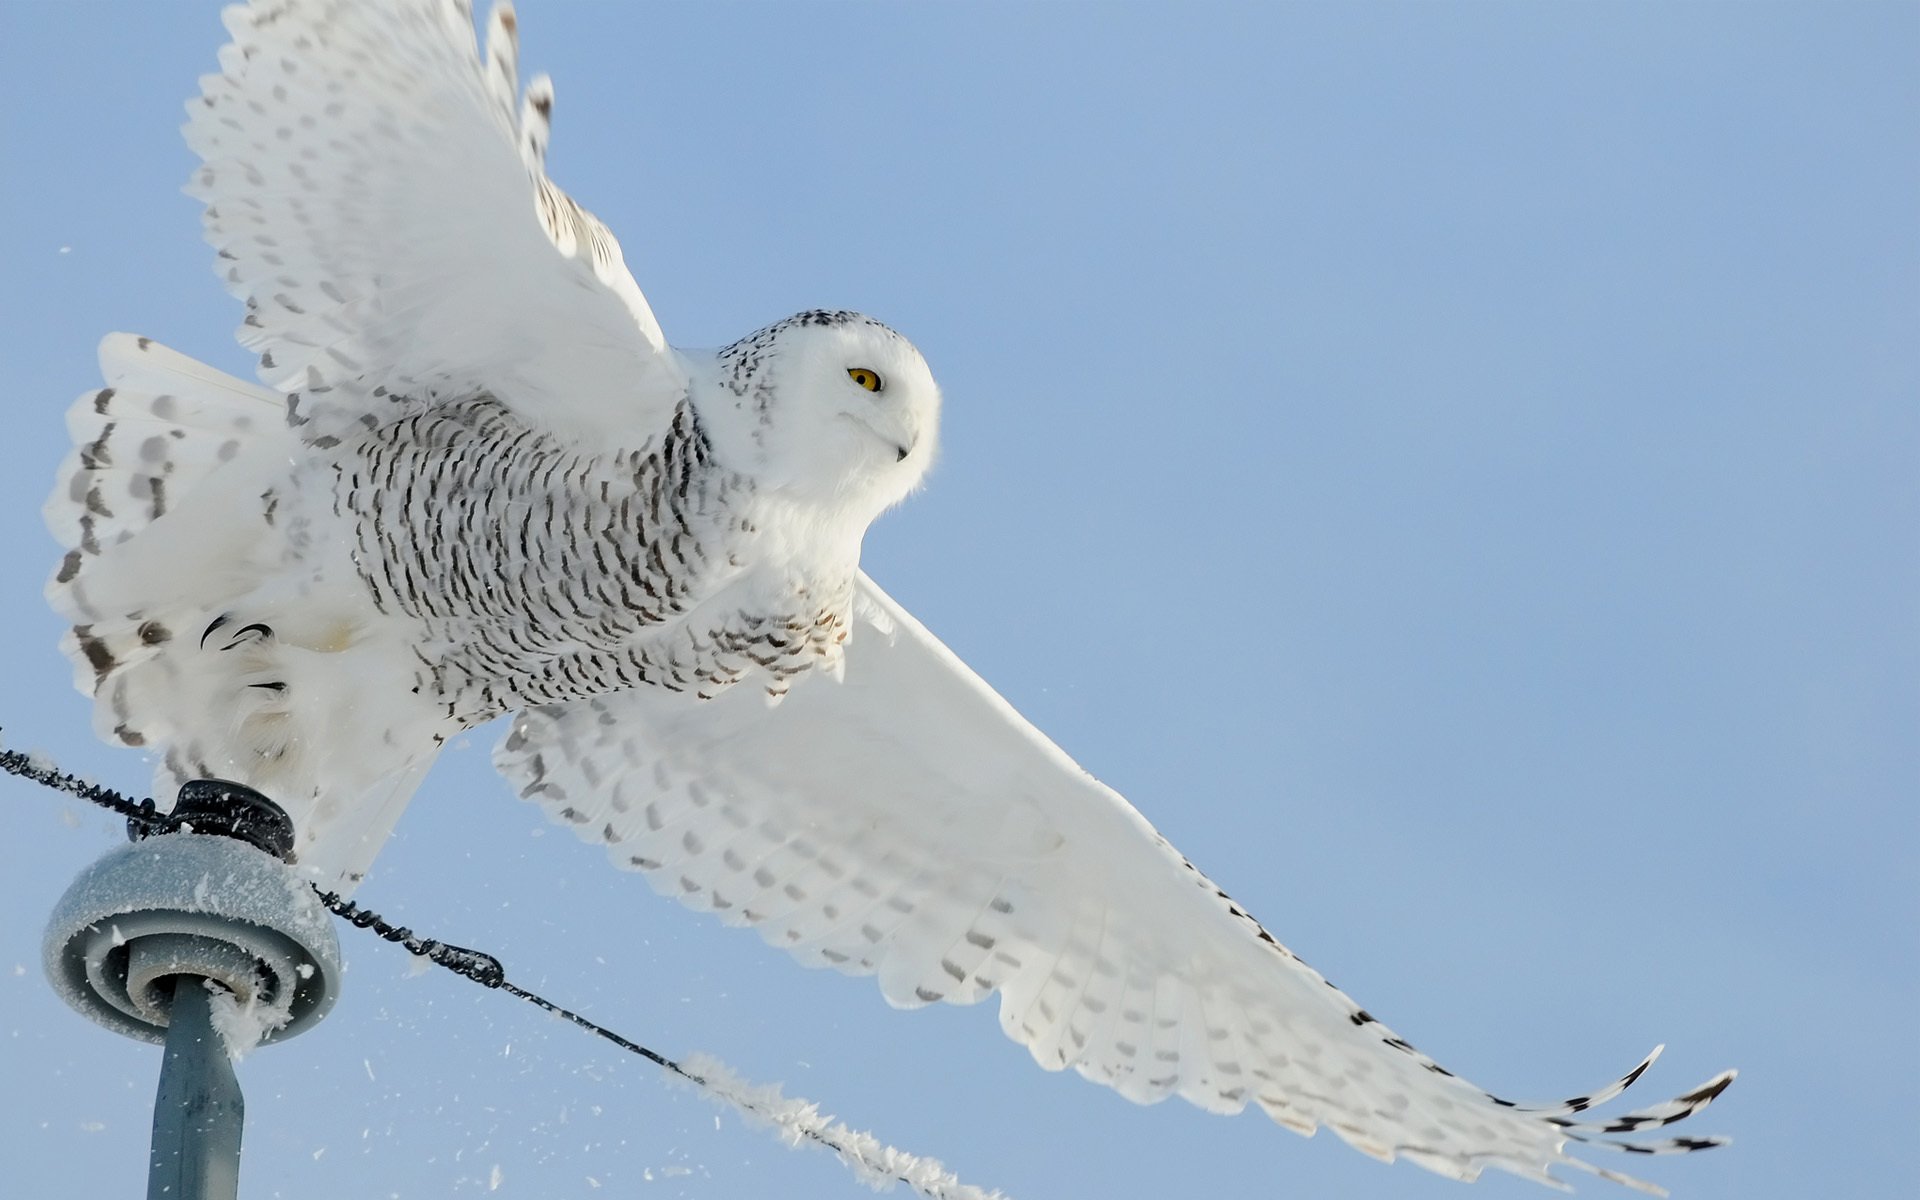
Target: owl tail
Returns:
[151, 505]
[183, 629]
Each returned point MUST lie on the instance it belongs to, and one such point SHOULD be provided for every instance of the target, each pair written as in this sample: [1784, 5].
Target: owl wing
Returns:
[906, 822]
[376, 192]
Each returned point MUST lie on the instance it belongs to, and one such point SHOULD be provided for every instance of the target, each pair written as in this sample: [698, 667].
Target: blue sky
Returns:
[1452, 466]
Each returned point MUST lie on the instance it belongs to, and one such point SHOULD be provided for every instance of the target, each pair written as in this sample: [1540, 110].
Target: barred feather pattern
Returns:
[457, 563]
[538, 572]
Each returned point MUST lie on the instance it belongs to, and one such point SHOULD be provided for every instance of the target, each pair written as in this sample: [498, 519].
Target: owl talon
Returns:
[255, 632]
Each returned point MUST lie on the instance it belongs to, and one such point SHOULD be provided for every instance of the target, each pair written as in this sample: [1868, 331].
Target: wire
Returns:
[482, 968]
[790, 1117]
[485, 970]
[46, 774]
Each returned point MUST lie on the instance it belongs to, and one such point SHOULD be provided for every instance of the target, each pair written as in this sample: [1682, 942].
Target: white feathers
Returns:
[373, 202]
[144, 442]
[177, 504]
[908, 824]
[482, 479]
[482, 482]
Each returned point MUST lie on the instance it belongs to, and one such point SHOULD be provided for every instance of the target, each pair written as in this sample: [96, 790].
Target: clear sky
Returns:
[1452, 466]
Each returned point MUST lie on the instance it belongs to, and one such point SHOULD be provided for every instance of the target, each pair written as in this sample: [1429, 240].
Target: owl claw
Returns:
[257, 631]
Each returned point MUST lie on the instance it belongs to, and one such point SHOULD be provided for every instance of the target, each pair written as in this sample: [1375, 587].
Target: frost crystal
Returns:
[241, 1026]
[797, 1121]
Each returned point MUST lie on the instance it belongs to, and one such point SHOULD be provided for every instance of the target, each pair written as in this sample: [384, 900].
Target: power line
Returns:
[790, 1116]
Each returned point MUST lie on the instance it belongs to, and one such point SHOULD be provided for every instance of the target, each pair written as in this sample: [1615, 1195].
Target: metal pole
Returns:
[198, 1111]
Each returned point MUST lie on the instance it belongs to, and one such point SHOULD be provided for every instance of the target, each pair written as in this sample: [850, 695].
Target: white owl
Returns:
[478, 481]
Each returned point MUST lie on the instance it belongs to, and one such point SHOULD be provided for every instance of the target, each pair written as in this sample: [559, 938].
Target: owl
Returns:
[474, 480]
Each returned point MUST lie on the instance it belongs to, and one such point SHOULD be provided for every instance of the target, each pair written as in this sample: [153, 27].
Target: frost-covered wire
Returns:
[45, 772]
[792, 1120]
[795, 1121]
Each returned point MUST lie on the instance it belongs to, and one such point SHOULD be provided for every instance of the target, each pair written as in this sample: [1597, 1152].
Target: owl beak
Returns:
[902, 440]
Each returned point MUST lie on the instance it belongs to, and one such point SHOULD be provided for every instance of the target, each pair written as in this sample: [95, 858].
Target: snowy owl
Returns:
[478, 481]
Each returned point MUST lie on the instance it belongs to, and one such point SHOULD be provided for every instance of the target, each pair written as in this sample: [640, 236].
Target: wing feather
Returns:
[376, 193]
[944, 845]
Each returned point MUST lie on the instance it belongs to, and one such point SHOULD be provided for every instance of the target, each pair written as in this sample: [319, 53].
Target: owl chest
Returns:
[534, 573]
[464, 512]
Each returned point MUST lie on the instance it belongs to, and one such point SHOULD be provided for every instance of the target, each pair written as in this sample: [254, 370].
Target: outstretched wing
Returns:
[377, 195]
[906, 822]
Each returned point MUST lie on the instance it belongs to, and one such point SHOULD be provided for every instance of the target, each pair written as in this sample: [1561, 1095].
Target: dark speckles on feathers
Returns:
[741, 363]
[96, 652]
[535, 601]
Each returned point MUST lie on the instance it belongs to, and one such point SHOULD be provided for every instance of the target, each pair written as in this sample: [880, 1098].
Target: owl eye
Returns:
[867, 379]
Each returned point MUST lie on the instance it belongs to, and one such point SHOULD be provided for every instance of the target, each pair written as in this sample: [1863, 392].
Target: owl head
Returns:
[828, 408]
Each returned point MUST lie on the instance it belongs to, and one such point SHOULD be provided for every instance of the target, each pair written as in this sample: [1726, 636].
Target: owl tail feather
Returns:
[150, 506]
[174, 538]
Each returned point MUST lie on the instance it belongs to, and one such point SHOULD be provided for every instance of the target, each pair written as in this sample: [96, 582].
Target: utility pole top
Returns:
[218, 902]
[154, 938]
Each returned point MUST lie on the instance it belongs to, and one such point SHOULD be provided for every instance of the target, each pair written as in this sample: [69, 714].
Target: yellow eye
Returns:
[869, 380]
